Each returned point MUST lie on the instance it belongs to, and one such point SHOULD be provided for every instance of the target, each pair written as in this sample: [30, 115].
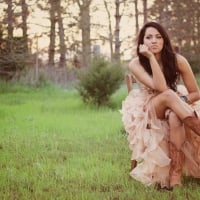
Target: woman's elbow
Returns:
[161, 88]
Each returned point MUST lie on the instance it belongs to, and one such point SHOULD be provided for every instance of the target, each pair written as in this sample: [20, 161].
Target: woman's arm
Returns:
[140, 74]
[157, 81]
[188, 79]
[158, 76]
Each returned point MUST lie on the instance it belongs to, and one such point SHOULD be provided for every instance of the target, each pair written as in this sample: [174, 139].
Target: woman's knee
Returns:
[169, 95]
[163, 101]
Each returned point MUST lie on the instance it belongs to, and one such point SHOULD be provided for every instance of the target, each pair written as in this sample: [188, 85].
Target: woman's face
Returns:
[153, 40]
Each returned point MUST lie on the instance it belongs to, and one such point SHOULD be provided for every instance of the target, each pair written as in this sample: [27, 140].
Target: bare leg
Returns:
[176, 140]
[169, 99]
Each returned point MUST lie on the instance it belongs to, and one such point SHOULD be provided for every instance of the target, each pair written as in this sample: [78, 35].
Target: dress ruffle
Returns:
[148, 139]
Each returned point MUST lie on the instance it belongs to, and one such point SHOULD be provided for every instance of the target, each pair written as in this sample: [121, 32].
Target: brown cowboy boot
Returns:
[193, 122]
[133, 164]
[175, 171]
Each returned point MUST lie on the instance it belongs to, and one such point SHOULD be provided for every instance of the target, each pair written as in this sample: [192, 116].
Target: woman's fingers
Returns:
[143, 49]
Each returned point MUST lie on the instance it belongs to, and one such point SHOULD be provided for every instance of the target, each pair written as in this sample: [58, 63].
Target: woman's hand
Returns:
[144, 50]
[159, 82]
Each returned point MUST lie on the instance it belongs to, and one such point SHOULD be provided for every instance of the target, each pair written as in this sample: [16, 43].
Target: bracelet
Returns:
[185, 99]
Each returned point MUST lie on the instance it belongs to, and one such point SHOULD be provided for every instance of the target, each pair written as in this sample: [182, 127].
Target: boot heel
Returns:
[133, 164]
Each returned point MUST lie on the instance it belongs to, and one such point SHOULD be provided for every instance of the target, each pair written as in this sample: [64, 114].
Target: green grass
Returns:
[52, 146]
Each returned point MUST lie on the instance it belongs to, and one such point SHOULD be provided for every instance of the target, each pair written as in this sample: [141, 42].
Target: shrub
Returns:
[99, 81]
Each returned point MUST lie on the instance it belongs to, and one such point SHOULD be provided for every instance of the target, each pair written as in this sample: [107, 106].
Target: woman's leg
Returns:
[169, 99]
[176, 140]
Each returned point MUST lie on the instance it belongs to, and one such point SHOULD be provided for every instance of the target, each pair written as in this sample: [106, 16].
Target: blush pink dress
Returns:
[148, 139]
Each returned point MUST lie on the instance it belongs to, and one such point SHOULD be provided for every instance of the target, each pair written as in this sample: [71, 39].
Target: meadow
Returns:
[53, 146]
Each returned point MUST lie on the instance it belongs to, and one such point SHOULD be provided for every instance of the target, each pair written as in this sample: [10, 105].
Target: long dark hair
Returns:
[168, 56]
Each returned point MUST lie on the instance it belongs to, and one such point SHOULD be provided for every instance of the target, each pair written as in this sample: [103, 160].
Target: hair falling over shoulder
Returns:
[168, 56]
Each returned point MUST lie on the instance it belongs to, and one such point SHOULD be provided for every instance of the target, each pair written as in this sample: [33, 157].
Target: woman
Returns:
[160, 117]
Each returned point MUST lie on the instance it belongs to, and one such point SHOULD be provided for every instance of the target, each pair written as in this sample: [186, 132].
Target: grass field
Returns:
[52, 146]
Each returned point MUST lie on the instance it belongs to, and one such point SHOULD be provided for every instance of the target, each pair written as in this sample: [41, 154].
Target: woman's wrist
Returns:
[185, 99]
[151, 56]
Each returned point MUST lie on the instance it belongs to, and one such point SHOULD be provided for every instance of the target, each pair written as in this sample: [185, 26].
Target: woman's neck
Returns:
[157, 56]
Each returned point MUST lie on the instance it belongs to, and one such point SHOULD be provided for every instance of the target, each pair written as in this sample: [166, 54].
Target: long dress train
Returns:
[148, 139]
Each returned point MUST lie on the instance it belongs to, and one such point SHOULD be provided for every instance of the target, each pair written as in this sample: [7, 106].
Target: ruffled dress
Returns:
[148, 139]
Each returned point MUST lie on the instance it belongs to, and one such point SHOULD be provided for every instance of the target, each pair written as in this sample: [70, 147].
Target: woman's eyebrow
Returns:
[150, 34]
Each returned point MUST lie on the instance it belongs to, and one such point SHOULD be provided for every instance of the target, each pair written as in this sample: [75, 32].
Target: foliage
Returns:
[100, 81]
[12, 57]
[181, 27]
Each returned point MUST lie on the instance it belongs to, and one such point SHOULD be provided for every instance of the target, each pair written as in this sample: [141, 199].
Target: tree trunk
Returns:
[136, 17]
[117, 31]
[52, 33]
[110, 31]
[61, 33]
[145, 11]
[10, 25]
[24, 25]
[85, 29]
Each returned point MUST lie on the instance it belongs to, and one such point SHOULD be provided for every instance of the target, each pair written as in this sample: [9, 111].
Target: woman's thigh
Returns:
[169, 99]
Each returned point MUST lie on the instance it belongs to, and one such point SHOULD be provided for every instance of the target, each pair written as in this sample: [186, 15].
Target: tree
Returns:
[114, 35]
[183, 28]
[61, 34]
[84, 24]
[136, 17]
[110, 37]
[10, 22]
[117, 31]
[14, 49]
[145, 14]
[52, 13]
[24, 8]
[56, 11]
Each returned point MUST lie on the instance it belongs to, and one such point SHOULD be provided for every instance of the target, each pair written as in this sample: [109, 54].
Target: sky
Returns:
[99, 17]
[38, 20]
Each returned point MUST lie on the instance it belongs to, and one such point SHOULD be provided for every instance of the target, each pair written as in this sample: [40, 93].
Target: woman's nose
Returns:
[153, 40]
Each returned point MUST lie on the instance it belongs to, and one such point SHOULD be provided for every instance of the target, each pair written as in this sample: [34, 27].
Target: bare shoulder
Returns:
[183, 63]
[181, 60]
[136, 68]
[134, 64]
